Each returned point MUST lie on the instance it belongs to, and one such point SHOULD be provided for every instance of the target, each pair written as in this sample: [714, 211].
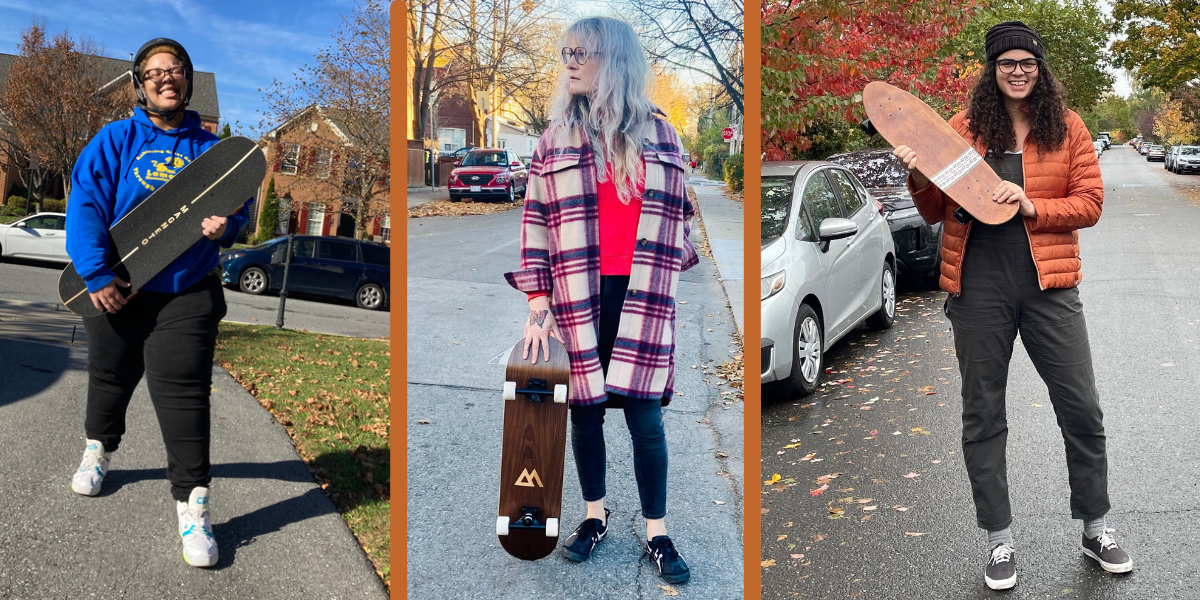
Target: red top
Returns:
[618, 228]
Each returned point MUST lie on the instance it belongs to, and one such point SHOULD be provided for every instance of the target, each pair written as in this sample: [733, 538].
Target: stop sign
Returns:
[727, 134]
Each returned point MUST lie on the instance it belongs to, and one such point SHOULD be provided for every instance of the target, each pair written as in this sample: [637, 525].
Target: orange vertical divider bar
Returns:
[399, 324]
[752, 140]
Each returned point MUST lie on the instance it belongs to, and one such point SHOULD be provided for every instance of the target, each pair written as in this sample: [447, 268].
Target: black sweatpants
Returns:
[171, 338]
[1000, 297]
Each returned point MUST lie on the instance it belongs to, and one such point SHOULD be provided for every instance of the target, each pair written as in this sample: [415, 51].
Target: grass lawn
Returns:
[333, 395]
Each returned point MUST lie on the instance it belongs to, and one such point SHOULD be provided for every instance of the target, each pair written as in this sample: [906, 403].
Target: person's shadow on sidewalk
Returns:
[242, 530]
[30, 369]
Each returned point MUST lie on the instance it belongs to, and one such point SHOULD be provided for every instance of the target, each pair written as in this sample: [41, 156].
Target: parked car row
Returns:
[1182, 159]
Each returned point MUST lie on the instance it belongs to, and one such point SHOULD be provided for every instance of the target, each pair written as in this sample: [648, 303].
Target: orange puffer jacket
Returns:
[1065, 188]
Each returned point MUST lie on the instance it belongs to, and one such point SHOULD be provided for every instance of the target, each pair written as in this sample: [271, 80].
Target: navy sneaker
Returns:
[583, 540]
[670, 564]
[1104, 550]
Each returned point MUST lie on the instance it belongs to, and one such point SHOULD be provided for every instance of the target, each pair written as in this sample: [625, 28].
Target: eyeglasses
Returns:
[581, 55]
[1028, 65]
[157, 74]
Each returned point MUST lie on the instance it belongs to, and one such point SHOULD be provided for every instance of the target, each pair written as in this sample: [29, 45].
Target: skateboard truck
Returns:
[868, 128]
[529, 520]
[535, 391]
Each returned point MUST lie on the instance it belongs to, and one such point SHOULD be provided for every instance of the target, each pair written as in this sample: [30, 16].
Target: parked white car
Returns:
[42, 236]
[1099, 147]
[828, 263]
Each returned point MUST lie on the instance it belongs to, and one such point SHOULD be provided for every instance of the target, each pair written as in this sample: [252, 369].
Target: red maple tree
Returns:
[818, 55]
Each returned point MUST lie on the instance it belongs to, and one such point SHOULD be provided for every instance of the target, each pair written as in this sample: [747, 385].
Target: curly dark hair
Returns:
[990, 121]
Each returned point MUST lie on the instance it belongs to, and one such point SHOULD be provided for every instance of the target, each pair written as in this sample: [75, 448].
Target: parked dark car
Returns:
[323, 266]
[918, 244]
[488, 173]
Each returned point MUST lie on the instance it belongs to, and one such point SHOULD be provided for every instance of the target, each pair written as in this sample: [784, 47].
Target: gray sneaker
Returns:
[1104, 550]
[1001, 570]
[90, 475]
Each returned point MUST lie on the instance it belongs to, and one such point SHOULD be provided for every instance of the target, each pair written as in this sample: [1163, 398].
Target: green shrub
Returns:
[734, 171]
[268, 220]
[14, 207]
[714, 164]
[54, 205]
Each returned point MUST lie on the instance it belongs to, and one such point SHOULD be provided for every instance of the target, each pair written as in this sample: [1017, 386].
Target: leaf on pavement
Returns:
[912, 475]
[768, 563]
[668, 590]
[914, 534]
[820, 490]
[773, 480]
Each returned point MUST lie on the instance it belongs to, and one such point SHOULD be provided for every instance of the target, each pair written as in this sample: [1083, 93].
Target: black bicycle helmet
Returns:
[139, 85]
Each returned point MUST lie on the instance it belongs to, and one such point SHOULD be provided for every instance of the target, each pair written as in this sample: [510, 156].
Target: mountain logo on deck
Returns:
[528, 479]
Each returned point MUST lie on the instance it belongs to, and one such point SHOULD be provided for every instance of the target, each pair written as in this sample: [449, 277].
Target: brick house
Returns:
[305, 156]
[115, 72]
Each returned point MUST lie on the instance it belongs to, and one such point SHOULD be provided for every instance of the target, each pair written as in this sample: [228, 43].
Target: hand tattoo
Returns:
[538, 317]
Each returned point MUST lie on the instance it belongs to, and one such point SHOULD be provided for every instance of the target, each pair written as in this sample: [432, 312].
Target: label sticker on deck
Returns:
[957, 169]
[528, 479]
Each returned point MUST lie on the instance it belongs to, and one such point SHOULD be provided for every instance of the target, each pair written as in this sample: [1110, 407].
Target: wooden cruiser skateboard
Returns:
[534, 448]
[168, 222]
[942, 155]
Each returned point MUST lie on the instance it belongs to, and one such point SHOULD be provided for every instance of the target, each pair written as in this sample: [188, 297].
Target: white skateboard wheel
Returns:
[560, 394]
[501, 525]
[552, 528]
[510, 390]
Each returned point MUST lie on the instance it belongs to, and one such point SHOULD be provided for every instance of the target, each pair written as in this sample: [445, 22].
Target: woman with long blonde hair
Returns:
[604, 237]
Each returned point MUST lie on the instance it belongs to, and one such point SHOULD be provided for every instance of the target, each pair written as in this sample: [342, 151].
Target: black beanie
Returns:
[1012, 35]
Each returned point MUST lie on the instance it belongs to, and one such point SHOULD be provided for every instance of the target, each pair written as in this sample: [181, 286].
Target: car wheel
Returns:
[886, 315]
[371, 297]
[512, 193]
[807, 355]
[253, 281]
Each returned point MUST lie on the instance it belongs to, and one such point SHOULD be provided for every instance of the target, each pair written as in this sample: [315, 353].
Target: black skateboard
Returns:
[168, 222]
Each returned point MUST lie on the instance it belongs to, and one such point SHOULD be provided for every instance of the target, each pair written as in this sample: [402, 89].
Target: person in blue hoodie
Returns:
[166, 331]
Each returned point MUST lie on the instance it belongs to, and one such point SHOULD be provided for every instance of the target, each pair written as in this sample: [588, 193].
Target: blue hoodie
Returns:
[126, 162]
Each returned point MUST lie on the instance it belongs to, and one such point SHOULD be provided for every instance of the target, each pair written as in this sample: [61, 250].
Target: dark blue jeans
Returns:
[643, 417]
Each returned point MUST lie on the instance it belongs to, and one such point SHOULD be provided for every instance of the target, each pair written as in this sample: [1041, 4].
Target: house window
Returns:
[385, 229]
[316, 218]
[451, 138]
[322, 163]
[291, 159]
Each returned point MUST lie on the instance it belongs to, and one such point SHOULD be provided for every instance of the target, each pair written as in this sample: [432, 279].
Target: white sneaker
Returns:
[199, 547]
[91, 471]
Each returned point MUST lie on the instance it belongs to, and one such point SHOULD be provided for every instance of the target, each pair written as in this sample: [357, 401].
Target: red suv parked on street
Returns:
[488, 173]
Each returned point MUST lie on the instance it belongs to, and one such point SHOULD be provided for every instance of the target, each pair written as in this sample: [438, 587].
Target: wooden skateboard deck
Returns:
[533, 453]
[942, 155]
[168, 222]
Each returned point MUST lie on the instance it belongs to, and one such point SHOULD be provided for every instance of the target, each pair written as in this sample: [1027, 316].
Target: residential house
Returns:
[305, 156]
[114, 71]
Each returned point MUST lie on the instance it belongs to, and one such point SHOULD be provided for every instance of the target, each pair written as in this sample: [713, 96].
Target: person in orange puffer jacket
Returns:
[1021, 276]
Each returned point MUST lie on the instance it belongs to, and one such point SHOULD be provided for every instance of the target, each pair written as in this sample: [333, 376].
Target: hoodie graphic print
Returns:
[126, 162]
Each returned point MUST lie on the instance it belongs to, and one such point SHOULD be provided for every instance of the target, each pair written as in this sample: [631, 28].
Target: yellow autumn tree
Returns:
[672, 96]
[1171, 126]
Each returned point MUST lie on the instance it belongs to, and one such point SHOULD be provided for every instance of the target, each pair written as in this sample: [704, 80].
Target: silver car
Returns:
[828, 264]
[42, 236]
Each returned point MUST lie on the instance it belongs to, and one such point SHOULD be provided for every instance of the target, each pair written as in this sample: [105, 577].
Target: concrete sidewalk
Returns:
[279, 536]
[416, 196]
[724, 222]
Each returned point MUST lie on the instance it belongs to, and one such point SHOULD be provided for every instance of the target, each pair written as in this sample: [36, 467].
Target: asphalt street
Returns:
[37, 282]
[462, 318]
[874, 456]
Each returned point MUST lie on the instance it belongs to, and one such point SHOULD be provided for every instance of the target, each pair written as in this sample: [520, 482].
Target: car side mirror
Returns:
[836, 229]
[457, 162]
[21, 224]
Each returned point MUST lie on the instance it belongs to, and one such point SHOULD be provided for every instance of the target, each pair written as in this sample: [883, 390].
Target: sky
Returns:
[245, 44]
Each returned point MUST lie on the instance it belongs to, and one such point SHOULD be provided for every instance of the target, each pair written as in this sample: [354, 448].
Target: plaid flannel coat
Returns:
[560, 253]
